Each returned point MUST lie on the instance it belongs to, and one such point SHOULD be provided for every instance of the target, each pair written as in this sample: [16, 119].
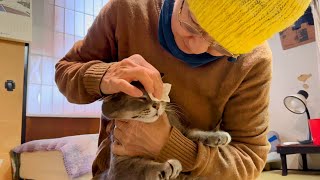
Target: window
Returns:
[56, 25]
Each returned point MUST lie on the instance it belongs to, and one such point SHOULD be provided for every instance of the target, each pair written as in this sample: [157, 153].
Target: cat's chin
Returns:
[155, 114]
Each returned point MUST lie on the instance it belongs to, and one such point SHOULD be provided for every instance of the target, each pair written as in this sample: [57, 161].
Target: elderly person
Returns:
[214, 54]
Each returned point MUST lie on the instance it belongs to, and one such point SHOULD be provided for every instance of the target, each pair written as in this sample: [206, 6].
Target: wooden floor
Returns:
[292, 175]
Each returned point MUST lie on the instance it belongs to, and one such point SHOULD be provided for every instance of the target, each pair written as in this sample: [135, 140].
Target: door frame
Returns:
[25, 89]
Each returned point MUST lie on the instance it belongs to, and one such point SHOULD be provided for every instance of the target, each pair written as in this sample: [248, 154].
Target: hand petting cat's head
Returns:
[125, 107]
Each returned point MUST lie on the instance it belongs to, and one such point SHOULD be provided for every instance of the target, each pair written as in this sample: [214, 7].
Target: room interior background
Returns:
[57, 24]
[15, 30]
[293, 70]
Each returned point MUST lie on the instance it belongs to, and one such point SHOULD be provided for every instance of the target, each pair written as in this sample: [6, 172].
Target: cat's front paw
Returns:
[212, 139]
[166, 171]
[175, 166]
[222, 139]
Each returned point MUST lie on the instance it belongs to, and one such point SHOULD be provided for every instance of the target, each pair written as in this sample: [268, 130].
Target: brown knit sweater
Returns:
[232, 96]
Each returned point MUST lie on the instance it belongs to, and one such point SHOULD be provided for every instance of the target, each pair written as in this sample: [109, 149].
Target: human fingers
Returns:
[153, 73]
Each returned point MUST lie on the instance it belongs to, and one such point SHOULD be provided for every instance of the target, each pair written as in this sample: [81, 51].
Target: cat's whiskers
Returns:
[174, 105]
[173, 108]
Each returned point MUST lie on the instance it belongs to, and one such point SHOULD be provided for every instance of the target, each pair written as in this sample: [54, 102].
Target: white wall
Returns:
[287, 66]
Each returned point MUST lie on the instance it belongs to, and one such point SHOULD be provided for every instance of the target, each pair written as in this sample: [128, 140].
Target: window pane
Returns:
[58, 45]
[69, 22]
[57, 24]
[68, 108]
[79, 108]
[88, 22]
[68, 42]
[97, 7]
[47, 71]
[57, 101]
[79, 24]
[48, 49]
[49, 16]
[105, 2]
[33, 99]
[79, 5]
[59, 19]
[69, 4]
[88, 7]
[34, 69]
[77, 38]
[46, 100]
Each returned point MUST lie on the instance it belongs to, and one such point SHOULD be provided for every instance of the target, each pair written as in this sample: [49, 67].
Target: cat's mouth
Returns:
[150, 115]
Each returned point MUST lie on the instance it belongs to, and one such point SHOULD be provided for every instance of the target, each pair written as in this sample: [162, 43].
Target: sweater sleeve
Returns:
[79, 73]
[246, 119]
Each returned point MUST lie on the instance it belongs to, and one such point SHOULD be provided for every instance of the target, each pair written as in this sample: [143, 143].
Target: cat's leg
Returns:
[137, 168]
[213, 139]
[163, 171]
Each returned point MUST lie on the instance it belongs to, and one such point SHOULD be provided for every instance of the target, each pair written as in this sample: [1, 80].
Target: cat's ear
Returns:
[106, 97]
[162, 75]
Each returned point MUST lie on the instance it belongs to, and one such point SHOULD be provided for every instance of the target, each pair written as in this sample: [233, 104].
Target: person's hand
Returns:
[134, 138]
[134, 68]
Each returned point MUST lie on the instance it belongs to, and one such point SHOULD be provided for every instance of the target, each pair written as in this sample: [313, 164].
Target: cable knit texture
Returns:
[232, 96]
[241, 25]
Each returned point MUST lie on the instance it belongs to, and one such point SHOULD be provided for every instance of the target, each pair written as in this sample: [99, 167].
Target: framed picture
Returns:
[300, 33]
[16, 20]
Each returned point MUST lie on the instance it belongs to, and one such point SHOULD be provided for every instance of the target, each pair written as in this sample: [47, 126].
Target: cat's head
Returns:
[123, 106]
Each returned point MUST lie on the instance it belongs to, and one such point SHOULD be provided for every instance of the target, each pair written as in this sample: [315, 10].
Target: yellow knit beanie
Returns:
[241, 25]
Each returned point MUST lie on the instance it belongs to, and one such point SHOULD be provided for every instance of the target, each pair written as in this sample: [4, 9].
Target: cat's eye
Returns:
[143, 98]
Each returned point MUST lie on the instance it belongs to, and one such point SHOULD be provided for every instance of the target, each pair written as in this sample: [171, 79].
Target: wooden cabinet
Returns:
[12, 64]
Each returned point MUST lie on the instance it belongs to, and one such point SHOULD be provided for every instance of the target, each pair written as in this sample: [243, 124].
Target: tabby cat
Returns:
[123, 106]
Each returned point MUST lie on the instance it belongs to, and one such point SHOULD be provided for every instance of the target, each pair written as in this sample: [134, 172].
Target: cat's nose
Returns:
[156, 106]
